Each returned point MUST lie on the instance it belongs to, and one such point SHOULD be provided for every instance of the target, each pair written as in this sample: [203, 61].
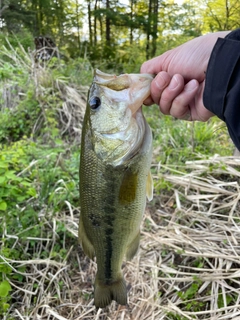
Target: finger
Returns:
[154, 65]
[174, 88]
[181, 105]
[148, 102]
[149, 66]
[159, 83]
[198, 111]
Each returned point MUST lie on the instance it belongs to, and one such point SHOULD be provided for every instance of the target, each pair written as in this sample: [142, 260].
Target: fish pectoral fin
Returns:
[105, 293]
[149, 189]
[133, 247]
[84, 240]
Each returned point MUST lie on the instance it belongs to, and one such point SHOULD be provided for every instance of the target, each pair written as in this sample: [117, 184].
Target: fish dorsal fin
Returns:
[149, 189]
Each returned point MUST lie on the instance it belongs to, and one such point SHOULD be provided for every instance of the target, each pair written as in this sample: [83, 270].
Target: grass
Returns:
[188, 263]
[187, 266]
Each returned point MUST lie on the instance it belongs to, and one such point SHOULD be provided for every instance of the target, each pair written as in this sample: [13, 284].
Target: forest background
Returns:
[121, 34]
[43, 273]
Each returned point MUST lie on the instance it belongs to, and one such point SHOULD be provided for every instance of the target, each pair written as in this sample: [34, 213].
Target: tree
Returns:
[152, 28]
[16, 16]
[221, 15]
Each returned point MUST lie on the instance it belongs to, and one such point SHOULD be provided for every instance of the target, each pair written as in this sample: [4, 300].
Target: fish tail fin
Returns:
[105, 293]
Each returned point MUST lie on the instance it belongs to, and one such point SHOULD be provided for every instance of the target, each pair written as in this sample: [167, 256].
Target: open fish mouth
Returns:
[137, 84]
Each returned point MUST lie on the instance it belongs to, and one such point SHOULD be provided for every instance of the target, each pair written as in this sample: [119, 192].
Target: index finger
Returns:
[153, 66]
[159, 83]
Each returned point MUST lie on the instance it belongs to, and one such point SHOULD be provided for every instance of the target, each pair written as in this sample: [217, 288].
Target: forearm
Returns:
[222, 86]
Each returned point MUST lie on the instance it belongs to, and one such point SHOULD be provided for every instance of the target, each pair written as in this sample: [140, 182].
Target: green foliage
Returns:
[30, 98]
[113, 30]
[221, 15]
[120, 35]
[39, 167]
[22, 37]
[178, 141]
[190, 301]
[33, 179]
[5, 289]
[78, 71]
[14, 189]
[173, 316]
[11, 72]
[227, 298]
[17, 123]
[191, 292]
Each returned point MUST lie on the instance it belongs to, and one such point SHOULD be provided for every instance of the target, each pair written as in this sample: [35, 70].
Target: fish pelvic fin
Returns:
[105, 293]
[84, 240]
[149, 191]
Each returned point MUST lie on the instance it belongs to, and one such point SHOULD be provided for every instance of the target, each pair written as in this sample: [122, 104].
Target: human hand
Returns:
[180, 100]
[179, 84]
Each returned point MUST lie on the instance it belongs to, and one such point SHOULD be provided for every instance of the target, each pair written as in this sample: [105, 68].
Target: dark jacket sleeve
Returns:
[222, 87]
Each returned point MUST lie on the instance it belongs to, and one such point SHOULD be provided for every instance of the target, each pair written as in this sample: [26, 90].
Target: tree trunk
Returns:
[154, 28]
[108, 24]
[40, 18]
[149, 29]
[95, 23]
[89, 22]
[131, 28]
[78, 24]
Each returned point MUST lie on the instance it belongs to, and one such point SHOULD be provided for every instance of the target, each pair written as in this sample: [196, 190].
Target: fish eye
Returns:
[95, 103]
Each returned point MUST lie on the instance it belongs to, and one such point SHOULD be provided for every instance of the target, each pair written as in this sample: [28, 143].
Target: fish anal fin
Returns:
[133, 247]
[84, 240]
[105, 293]
[149, 188]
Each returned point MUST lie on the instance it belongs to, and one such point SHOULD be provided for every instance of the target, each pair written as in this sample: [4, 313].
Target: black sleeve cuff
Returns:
[222, 87]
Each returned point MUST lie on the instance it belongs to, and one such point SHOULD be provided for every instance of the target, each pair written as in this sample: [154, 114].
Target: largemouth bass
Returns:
[115, 177]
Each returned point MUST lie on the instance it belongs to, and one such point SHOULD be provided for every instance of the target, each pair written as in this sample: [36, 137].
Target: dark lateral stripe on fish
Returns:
[109, 209]
[108, 258]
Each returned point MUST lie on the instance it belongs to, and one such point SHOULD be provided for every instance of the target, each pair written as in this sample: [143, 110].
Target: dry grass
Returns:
[54, 93]
[71, 102]
[188, 265]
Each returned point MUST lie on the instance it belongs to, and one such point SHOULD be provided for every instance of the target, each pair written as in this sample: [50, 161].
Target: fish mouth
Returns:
[138, 86]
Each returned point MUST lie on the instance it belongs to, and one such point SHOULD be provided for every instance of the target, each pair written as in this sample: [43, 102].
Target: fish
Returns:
[115, 178]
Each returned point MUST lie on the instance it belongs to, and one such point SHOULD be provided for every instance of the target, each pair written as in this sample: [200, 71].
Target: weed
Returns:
[40, 127]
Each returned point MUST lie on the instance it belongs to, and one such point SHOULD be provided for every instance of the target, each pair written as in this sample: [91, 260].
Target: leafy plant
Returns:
[5, 289]
[14, 189]
[39, 160]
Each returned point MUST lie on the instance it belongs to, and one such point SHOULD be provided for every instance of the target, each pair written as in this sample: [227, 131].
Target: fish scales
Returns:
[113, 196]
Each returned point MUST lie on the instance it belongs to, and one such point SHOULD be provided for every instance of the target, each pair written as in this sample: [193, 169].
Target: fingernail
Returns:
[191, 85]
[160, 81]
[173, 84]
